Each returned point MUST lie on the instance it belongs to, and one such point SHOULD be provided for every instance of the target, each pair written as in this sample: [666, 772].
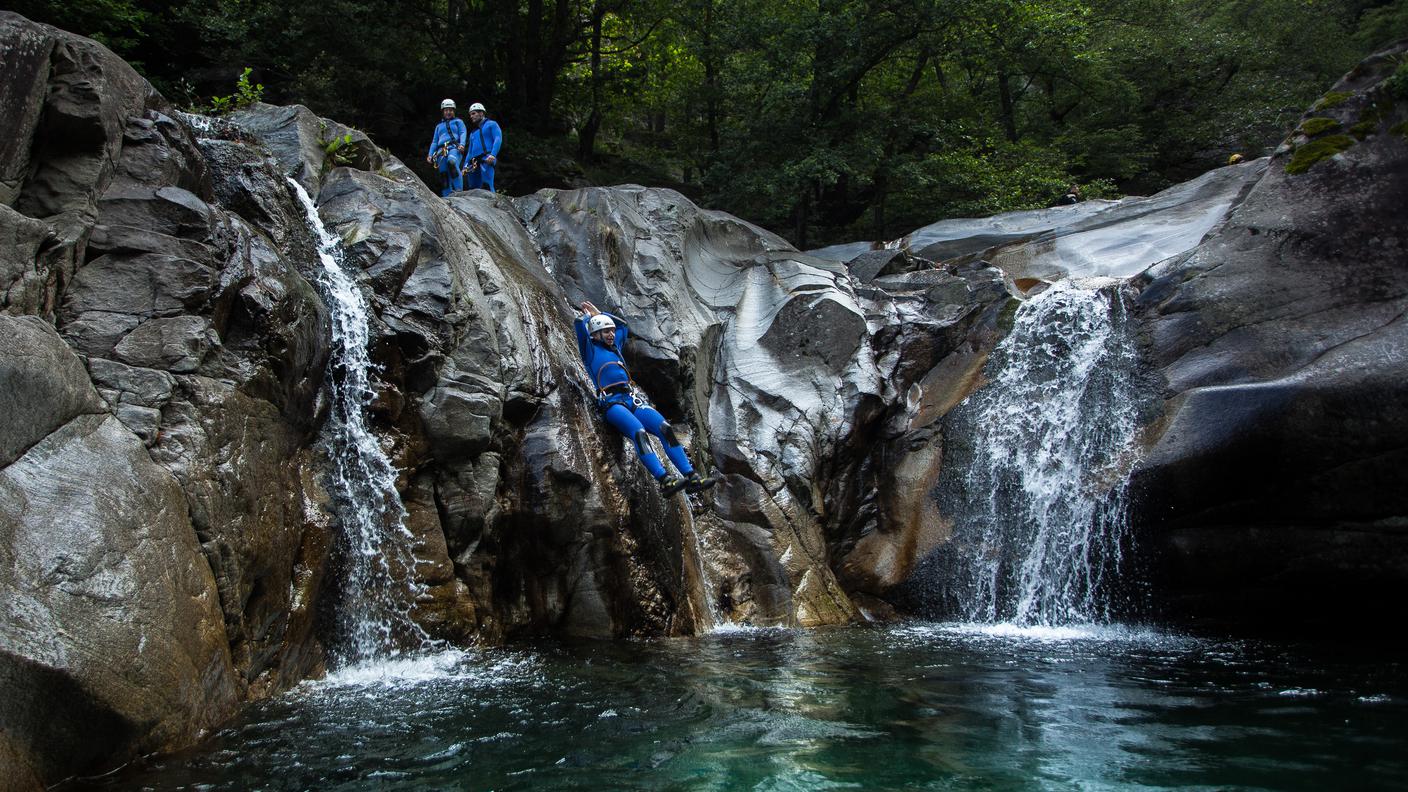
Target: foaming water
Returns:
[1108, 633]
[1041, 460]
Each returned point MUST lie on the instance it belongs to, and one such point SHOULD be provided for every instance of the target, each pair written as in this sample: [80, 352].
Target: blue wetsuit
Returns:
[484, 141]
[451, 132]
[625, 409]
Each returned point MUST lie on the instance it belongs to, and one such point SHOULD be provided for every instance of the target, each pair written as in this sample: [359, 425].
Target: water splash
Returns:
[378, 588]
[1041, 507]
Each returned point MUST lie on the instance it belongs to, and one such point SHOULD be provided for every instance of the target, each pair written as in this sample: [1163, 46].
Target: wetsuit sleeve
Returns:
[584, 340]
[462, 136]
[622, 330]
[433, 140]
[496, 137]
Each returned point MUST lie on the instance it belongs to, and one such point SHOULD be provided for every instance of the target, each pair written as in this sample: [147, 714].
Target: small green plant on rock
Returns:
[1332, 99]
[1363, 129]
[1306, 156]
[339, 150]
[246, 93]
[1396, 85]
[1311, 127]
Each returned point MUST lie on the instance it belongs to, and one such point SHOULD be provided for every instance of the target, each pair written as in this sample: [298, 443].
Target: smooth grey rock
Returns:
[144, 387]
[143, 421]
[22, 284]
[110, 632]
[177, 344]
[42, 384]
[299, 139]
[1267, 492]
[25, 49]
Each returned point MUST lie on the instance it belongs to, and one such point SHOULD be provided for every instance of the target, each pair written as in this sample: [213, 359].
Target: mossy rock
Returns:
[1400, 129]
[1397, 83]
[1332, 99]
[1306, 156]
[1311, 127]
[1363, 129]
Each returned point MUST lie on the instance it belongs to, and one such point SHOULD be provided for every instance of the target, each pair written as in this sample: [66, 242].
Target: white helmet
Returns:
[476, 106]
[448, 104]
[600, 322]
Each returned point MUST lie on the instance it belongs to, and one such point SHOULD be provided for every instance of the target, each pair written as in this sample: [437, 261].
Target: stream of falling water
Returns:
[378, 588]
[1041, 516]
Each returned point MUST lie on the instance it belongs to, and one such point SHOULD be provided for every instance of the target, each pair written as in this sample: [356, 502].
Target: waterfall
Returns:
[378, 567]
[1040, 505]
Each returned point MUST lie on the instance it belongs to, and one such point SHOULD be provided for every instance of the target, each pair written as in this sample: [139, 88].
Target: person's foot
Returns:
[695, 483]
[669, 485]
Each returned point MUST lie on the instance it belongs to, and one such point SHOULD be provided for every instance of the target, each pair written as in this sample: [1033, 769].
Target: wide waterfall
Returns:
[377, 565]
[1041, 454]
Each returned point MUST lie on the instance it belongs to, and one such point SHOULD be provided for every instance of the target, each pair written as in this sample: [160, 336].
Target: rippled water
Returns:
[918, 707]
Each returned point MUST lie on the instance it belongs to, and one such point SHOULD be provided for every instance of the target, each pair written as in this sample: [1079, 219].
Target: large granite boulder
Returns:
[1270, 493]
[164, 534]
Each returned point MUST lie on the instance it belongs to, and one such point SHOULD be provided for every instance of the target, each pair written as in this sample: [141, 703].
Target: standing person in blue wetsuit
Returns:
[447, 149]
[601, 338]
[485, 137]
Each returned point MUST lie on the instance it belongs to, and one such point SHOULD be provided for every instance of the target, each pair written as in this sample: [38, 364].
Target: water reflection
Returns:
[916, 707]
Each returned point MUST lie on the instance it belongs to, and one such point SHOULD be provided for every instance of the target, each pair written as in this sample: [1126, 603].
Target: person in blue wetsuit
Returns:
[447, 149]
[600, 338]
[485, 137]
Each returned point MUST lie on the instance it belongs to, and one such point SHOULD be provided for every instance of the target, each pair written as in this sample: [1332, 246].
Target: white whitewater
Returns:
[377, 563]
[1044, 510]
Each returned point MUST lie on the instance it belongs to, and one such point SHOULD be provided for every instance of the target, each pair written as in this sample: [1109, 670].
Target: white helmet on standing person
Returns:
[448, 104]
[476, 106]
[599, 322]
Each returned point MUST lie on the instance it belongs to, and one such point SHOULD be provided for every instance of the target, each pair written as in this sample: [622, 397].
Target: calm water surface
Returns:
[943, 707]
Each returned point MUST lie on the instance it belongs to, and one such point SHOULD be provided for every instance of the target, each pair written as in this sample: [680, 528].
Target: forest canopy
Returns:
[829, 120]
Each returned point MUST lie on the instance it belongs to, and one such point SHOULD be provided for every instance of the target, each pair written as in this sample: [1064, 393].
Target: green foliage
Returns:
[1306, 156]
[1363, 129]
[338, 150]
[824, 121]
[1400, 129]
[121, 25]
[246, 93]
[1332, 99]
[1311, 127]
[1397, 83]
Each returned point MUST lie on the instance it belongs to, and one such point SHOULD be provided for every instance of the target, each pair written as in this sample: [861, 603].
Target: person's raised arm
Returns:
[584, 338]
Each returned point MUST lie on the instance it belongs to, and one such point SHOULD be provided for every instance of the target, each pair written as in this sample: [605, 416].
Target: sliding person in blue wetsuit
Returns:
[447, 149]
[601, 338]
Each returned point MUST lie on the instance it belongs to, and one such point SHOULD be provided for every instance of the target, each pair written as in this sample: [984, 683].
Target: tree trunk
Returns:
[711, 78]
[586, 135]
[1007, 106]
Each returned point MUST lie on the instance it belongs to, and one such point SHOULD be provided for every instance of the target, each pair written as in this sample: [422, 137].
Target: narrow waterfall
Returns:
[377, 564]
[1039, 504]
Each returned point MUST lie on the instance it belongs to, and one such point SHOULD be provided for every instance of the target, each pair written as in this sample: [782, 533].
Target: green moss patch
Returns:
[1363, 129]
[1311, 127]
[1397, 83]
[1332, 99]
[1400, 129]
[1306, 156]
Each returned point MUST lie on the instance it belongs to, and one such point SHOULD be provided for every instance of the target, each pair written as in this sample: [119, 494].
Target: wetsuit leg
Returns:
[655, 423]
[487, 179]
[450, 173]
[474, 178]
[624, 422]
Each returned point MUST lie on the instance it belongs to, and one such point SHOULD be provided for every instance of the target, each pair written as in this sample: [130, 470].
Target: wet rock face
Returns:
[162, 357]
[1267, 493]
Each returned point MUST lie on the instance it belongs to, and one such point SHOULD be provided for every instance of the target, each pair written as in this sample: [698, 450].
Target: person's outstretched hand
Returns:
[589, 308]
